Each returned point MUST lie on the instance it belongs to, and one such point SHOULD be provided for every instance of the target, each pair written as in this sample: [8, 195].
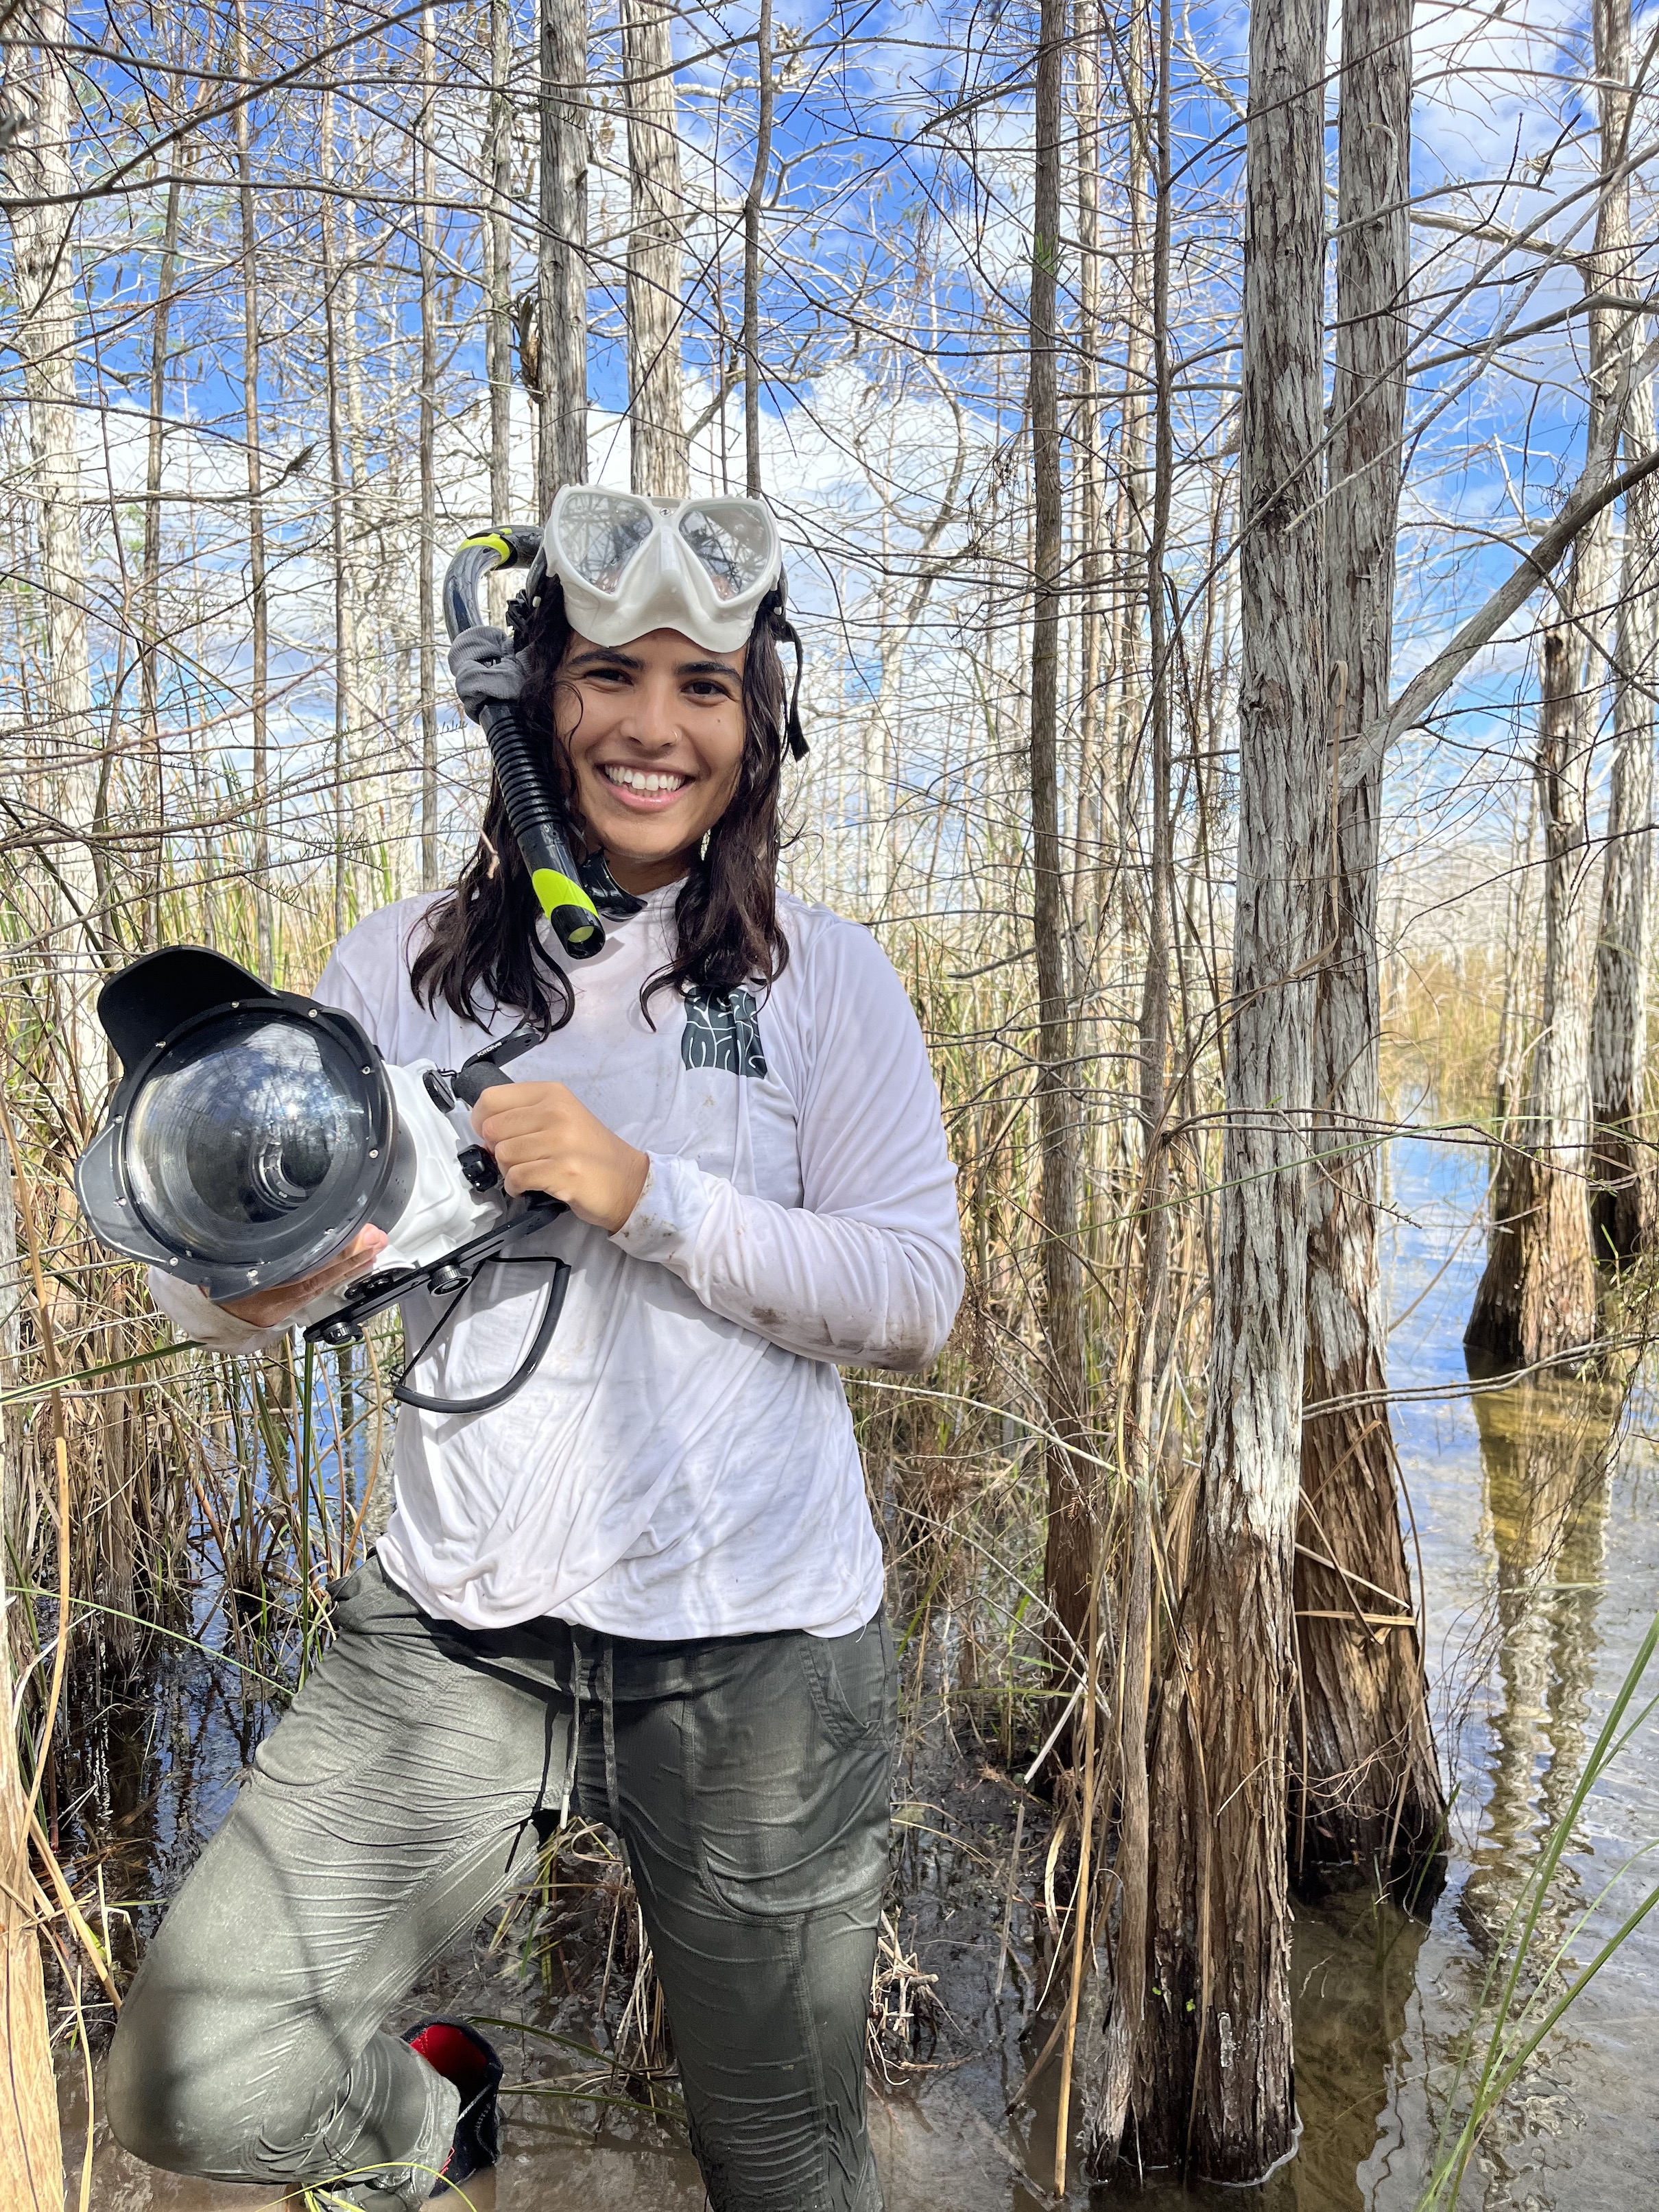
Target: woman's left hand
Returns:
[544, 1139]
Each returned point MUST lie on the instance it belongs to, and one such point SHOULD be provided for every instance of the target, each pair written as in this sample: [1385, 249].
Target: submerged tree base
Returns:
[1623, 1204]
[1537, 1299]
[1365, 1795]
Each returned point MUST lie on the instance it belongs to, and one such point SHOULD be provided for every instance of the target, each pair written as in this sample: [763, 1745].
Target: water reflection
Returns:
[1546, 1453]
[1355, 1967]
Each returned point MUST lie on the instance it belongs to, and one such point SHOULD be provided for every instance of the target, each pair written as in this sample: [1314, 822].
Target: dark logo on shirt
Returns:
[722, 1032]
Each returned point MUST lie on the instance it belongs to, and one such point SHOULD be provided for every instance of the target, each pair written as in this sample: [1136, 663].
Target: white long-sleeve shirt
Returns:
[682, 1462]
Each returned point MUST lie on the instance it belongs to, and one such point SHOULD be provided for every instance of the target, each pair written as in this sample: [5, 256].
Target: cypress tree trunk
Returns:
[1069, 1554]
[495, 239]
[1214, 2083]
[659, 453]
[66, 760]
[1365, 1789]
[1622, 1204]
[149, 615]
[753, 202]
[1126, 2022]
[1088, 474]
[1536, 1299]
[426, 233]
[561, 282]
[258, 602]
[347, 687]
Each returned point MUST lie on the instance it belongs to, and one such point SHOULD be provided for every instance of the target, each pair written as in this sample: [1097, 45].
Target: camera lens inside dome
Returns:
[249, 1137]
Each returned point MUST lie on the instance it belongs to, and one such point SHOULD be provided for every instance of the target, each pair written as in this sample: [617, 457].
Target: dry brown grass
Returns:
[1440, 1036]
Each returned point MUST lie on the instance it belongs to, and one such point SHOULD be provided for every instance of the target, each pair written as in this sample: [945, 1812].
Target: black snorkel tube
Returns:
[572, 894]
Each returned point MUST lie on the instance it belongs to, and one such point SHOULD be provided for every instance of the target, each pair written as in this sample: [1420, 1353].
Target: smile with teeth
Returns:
[649, 782]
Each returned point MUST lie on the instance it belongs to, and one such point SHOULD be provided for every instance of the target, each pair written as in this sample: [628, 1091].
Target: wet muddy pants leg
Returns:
[407, 1789]
[755, 1814]
[393, 1804]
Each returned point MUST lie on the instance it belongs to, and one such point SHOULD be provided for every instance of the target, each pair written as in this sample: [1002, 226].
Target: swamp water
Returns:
[1540, 1552]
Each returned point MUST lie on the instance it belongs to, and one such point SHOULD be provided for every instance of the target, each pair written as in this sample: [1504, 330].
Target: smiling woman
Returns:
[651, 1592]
[654, 737]
[660, 704]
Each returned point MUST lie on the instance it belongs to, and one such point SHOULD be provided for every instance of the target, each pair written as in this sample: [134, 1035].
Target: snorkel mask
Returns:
[630, 565]
[705, 566]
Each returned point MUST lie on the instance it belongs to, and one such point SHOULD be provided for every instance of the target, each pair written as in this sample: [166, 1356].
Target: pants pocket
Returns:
[787, 1767]
[853, 1681]
[383, 1680]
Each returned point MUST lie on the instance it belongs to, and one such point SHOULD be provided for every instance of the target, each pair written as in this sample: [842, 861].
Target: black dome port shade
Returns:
[151, 1000]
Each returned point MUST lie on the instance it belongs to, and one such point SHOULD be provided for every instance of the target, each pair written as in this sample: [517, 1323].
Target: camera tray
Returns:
[452, 1271]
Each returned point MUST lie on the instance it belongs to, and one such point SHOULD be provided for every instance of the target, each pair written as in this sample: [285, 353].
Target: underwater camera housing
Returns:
[254, 1133]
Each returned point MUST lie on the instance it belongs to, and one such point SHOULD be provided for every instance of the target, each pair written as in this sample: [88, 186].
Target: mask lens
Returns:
[735, 543]
[600, 533]
[248, 1138]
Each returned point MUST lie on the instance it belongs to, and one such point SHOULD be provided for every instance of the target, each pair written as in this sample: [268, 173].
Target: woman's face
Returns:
[654, 730]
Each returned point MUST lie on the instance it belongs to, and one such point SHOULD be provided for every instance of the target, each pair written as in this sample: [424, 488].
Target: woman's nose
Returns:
[653, 717]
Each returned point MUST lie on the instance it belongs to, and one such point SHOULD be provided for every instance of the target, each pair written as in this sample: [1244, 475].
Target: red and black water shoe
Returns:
[462, 2056]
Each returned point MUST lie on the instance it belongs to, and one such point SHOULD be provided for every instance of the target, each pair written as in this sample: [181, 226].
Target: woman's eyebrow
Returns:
[706, 668]
[603, 652]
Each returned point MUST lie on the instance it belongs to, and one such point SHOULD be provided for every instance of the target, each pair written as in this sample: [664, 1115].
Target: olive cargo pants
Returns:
[410, 1786]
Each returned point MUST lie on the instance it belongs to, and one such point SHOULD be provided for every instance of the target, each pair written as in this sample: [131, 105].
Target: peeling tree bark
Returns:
[1214, 2078]
[1623, 1201]
[561, 282]
[1069, 1552]
[659, 450]
[1365, 1789]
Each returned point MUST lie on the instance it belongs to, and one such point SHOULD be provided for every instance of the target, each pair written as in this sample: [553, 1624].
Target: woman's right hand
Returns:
[270, 1308]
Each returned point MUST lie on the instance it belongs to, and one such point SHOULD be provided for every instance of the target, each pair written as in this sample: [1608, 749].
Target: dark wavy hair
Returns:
[484, 949]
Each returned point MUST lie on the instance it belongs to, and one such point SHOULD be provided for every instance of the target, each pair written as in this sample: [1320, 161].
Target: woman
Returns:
[647, 1589]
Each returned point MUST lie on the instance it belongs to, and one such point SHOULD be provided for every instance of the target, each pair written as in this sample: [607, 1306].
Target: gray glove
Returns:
[484, 667]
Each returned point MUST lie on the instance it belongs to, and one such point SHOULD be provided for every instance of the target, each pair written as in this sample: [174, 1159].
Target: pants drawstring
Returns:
[597, 1669]
[608, 1707]
[575, 1747]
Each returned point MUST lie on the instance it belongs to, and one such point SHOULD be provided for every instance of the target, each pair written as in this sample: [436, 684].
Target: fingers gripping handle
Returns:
[554, 874]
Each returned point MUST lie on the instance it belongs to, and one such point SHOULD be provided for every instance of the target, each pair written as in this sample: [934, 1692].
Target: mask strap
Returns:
[782, 628]
[522, 605]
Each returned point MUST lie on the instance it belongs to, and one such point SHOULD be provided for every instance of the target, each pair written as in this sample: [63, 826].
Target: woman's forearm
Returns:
[827, 1285]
